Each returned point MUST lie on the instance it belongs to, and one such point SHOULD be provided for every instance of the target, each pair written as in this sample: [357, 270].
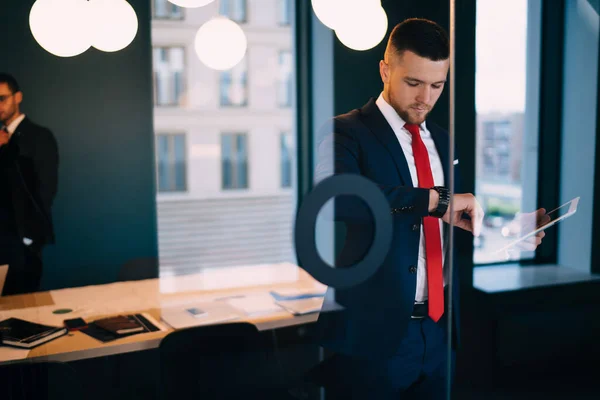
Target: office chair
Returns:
[138, 269]
[39, 381]
[228, 361]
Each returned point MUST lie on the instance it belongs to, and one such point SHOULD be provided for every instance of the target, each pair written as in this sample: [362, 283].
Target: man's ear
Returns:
[19, 97]
[384, 71]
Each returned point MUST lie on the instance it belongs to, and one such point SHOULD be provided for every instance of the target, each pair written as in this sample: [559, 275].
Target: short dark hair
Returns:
[423, 37]
[10, 80]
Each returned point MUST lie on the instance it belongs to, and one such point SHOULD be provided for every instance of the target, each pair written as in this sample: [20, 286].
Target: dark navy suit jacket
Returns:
[377, 312]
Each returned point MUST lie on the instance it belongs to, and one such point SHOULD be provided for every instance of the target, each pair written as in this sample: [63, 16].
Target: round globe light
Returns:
[191, 3]
[220, 43]
[329, 12]
[61, 27]
[115, 24]
[363, 27]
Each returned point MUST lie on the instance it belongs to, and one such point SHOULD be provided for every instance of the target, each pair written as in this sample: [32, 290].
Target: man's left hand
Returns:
[526, 223]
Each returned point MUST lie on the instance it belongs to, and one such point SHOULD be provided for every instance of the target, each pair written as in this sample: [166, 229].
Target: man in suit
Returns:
[390, 341]
[29, 178]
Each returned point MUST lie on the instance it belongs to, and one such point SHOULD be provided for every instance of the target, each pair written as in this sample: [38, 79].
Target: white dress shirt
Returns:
[405, 139]
[12, 127]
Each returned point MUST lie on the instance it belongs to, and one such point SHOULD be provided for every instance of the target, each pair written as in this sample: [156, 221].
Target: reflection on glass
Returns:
[164, 9]
[168, 75]
[171, 162]
[234, 85]
[500, 103]
[233, 9]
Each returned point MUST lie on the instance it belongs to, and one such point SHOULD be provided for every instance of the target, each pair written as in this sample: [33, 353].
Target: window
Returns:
[244, 192]
[233, 9]
[234, 85]
[168, 65]
[285, 12]
[234, 161]
[284, 84]
[171, 162]
[501, 87]
[163, 9]
[285, 140]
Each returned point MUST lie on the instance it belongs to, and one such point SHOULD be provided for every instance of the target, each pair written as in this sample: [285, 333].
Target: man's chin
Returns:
[416, 121]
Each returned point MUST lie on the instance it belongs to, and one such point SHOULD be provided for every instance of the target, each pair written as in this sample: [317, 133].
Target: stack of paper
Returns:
[302, 306]
[255, 304]
[213, 313]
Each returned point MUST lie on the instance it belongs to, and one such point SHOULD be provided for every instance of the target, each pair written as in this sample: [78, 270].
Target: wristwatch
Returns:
[443, 203]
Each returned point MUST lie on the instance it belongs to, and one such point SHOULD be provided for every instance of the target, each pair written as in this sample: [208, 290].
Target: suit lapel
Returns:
[376, 122]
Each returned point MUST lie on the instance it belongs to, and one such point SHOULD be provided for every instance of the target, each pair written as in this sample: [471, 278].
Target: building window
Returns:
[285, 145]
[169, 71]
[233, 9]
[171, 162]
[501, 87]
[163, 9]
[234, 85]
[284, 81]
[234, 160]
[285, 12]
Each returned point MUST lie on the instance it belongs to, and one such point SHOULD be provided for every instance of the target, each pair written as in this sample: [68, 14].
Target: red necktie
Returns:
[431, 229]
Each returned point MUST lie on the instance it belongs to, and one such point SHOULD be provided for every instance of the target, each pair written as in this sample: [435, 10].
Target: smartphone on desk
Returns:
[196, 312]
[75, 324]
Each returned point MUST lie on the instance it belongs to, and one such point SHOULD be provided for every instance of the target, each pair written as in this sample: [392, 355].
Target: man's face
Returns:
[413, 84]
[9, 103]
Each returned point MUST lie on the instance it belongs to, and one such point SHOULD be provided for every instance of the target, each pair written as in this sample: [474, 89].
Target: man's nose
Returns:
[424, 95]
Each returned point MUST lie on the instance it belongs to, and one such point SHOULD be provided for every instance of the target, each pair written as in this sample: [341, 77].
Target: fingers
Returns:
[479, 218]
[462, 223]
[467, 203]
[531, 243]
[527, 246]
[541, 217]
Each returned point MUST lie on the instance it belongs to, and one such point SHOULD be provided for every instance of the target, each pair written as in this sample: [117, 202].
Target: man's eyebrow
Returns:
[408, 78]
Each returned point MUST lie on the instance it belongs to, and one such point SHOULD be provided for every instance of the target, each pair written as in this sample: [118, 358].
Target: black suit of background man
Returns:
[28, 185]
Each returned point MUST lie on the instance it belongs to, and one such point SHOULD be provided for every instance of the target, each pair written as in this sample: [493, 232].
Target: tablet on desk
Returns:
[556, 215]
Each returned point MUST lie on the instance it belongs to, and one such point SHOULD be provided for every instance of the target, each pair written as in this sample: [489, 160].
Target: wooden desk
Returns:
[150, 296]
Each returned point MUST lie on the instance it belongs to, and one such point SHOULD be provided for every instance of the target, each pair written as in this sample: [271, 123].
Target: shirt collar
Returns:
[12, 127]
[392, 117]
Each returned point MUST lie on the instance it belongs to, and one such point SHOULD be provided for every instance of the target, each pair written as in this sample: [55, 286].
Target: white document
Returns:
[180, 317]
[12, 354]
[255, 304]
[3, 273]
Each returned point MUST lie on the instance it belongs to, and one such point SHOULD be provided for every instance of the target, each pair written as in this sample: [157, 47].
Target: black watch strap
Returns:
[443, 203]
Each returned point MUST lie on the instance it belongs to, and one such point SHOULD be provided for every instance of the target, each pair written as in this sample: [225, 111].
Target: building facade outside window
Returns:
[169, 68]
[171, 162]
[234, 160]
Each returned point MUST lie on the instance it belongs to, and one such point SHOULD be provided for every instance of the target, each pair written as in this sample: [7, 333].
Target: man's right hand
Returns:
[4, 137]
[461, 204]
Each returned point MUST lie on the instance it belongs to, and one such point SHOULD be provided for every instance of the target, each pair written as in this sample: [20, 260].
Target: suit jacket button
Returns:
[415, 227]
[412, 269]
